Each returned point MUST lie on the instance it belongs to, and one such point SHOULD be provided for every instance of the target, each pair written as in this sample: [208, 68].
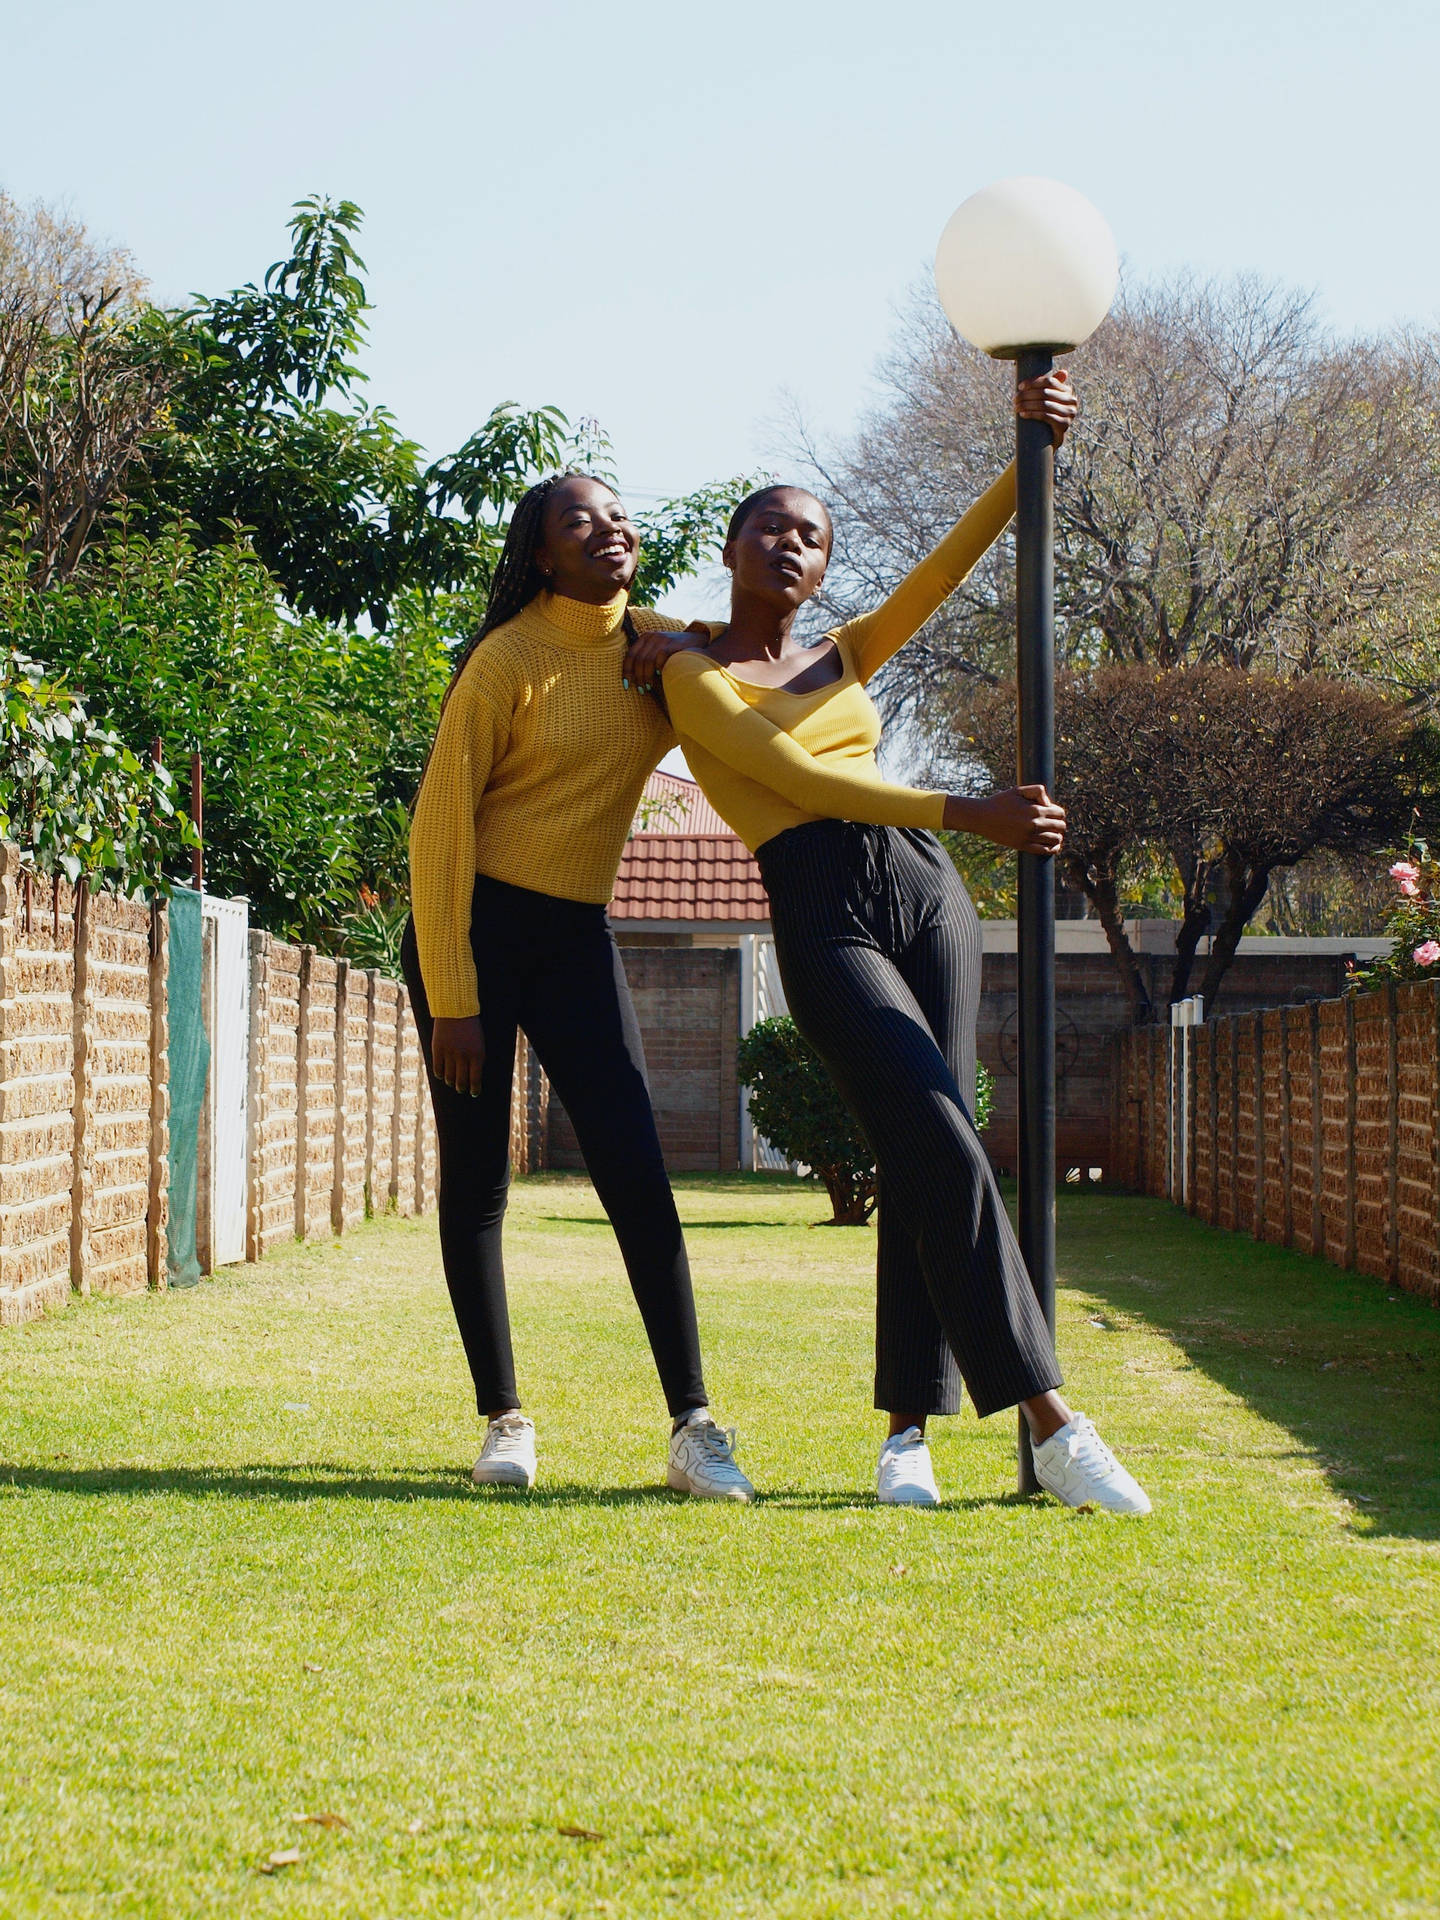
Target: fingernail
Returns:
[626, 684]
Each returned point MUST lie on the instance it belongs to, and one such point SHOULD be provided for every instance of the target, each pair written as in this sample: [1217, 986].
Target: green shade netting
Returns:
[189, 1069]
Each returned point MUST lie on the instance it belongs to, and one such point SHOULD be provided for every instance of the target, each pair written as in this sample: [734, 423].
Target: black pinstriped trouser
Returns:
[879, 949]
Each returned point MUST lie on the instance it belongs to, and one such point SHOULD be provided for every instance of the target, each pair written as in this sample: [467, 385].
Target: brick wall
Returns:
[1316, 1127]
[274, 1092]
[112, 1184]
[337, 1100]
[1090, 1010]
[687, 1000]
[315, 1143]
[37, 1091]
[352, 1124]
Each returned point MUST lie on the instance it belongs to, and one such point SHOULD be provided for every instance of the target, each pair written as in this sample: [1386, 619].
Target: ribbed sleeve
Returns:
[472, 736]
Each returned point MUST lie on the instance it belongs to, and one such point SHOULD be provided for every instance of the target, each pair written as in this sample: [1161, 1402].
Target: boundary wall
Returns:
[1315, 1127]
[339, 1120]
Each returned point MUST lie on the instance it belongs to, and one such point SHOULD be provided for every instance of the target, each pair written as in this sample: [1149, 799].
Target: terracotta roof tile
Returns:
[676, 805]
[692, 877]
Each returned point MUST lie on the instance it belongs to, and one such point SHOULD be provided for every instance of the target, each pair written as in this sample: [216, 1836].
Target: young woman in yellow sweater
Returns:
[538, 765]
[879, 950]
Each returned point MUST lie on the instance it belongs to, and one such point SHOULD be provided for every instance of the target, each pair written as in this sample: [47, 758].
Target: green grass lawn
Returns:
[244, 1577]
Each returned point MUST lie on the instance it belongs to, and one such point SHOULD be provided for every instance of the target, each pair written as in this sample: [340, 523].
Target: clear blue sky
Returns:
[669, 216]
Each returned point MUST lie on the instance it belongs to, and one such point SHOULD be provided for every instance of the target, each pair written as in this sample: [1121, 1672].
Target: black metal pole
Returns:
[1035, 894]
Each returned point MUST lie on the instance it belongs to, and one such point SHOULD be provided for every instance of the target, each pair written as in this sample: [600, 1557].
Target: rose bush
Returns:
[1414, 924]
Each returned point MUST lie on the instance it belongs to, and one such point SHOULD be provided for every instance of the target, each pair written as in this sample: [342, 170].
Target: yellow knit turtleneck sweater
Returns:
[538, 767]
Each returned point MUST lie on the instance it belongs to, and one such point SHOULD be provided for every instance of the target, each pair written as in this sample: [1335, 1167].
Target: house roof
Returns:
[691, 877]
[673, 804]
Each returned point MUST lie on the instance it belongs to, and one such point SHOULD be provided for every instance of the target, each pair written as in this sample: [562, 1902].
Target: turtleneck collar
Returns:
[582, 622]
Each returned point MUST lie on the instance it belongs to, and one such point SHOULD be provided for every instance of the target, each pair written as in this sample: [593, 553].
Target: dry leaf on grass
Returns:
[416, 1826]
[282, 1857]
[321, 1820]
[899, 1569]
[580, 1833]
[311, 1667]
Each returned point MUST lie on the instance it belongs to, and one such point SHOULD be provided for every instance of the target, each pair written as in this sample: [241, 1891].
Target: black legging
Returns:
[879, 949]
[551, 967]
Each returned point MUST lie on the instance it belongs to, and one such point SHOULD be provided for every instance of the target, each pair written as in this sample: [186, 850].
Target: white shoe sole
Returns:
[679, 1483]
[907, 1497]
[502, 1473]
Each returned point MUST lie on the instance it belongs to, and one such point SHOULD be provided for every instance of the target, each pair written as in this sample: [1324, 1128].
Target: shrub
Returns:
[1414, 924]
[794, 1103]
[73, 796]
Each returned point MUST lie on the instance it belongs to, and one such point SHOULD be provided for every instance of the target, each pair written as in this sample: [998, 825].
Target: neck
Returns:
[589, 593]
[758, 631]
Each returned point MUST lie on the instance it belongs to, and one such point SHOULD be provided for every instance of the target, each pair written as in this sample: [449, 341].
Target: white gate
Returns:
[1185, 1016]
[224, 1144]
[761, 995]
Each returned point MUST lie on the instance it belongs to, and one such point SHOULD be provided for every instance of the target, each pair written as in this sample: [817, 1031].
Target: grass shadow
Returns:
[327, 1481]
[691, 1226]
[1348, 1365]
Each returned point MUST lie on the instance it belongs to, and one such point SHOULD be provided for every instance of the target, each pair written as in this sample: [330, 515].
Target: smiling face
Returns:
[780, 550]
[588, 548]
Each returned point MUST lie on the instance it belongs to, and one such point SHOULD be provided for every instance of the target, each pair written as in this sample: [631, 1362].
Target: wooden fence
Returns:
[1315, 1126]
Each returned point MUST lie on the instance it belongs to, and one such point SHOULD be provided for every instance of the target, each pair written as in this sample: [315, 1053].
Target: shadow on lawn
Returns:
[691, 1226]
[1349, 1366]
[320, 1480]
[326, 1481]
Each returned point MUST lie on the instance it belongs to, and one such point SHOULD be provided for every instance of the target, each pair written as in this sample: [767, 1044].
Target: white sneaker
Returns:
[702, 1460]
[1077, 1467]
[507, 1458]
[905, 1477]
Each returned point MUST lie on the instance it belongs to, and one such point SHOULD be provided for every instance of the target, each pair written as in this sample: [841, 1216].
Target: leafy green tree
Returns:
[268, 431]
[193, 649]
[74, 798]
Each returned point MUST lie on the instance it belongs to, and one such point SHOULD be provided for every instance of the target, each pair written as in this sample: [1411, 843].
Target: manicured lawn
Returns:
[243, 1576]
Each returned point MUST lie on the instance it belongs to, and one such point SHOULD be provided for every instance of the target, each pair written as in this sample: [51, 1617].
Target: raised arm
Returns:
[874, 637]
[473, 730]
[705, 708]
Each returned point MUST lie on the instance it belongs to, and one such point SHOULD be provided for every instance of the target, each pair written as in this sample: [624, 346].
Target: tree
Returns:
[1234, 774]
[1241, 491]
[794, 1104]
[1243, 496]
[73, 797]
[268, 431]
[83, 383]
[194, 648]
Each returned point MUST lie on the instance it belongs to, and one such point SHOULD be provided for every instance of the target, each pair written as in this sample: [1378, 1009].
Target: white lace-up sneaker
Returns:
[905, 1477]
[702, 1460]
[1077, 1467]
[507, 1458]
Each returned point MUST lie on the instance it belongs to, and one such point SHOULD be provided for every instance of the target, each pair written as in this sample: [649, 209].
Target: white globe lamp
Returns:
[1026, 265]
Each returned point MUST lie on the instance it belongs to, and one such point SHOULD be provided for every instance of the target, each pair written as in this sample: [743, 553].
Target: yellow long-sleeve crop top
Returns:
[537, 769]
[769, 760]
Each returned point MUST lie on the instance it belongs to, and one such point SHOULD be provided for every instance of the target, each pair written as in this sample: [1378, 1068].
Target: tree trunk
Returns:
[1104, 895]
[852, 1197]
[1247, 890]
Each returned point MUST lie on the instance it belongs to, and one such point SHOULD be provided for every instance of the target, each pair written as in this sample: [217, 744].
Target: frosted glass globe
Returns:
[1026, 264]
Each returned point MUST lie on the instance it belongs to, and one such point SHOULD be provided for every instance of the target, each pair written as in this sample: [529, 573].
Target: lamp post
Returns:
[1027, 269]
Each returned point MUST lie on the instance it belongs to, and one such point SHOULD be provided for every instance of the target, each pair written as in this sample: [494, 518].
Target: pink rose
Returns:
[1427, 953]
[1406, 876]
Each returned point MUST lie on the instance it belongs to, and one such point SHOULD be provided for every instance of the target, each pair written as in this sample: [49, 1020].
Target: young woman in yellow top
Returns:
[879, 950]
[531, 788]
